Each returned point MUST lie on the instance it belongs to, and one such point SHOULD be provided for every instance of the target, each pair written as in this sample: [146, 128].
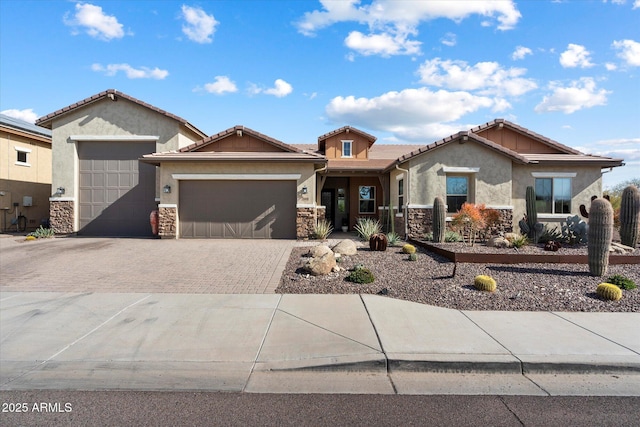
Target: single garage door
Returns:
[238, 209]
[117, 193]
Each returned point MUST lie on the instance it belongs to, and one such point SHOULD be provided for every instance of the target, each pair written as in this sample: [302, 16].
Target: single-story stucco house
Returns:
[116, 159]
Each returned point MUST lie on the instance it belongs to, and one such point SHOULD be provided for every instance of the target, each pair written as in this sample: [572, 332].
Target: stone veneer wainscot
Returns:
[61, 216]
[306, 220]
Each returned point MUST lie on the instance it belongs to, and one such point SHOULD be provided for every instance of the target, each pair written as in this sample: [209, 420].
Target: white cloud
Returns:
[611, 66]
[621, 148]
[27, 115]
[489, 78]
[629, 51]
[575, 56]
[636, 4]
[521, 52]
[199, 26]
[96, 23]
[449, 39]
[578, 95]
[383, 44]
[280, 89]
[413, 114]
[132, 73]
[391, 22]
[221, 85]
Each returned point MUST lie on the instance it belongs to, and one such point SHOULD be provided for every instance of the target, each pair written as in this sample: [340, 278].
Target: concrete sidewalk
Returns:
[308, 343]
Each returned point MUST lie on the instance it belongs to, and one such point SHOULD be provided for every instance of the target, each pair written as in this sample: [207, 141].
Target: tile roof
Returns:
[113, 95]
[232, 131]
[573, 158]
[23, 126]
[208, 156]
[525, 131]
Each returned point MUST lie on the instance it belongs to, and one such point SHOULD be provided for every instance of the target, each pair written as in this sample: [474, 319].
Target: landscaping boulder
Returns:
[498, 242]
[319, 250]
[346, 247]
[320, 265]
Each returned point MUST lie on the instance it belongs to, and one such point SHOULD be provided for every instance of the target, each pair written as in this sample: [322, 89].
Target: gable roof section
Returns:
[322, 139]
[240, 130]
[46, 121]
[27, 129]
[524, 131]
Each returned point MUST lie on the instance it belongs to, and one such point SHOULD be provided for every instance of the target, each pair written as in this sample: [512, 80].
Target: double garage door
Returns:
[117, 192]
[229, 209]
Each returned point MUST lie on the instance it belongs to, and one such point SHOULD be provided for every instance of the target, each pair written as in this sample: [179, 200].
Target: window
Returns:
[346, 148]
[457, 192]
[367, 200]
[400, 195]
[342, 207]
[22, 156]
[553, 195]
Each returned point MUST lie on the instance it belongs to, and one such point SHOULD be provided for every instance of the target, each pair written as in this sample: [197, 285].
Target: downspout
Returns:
[408, 198]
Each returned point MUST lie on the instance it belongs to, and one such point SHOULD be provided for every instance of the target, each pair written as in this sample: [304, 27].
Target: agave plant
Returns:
[322, 230]
[393, 238]
[366, 227]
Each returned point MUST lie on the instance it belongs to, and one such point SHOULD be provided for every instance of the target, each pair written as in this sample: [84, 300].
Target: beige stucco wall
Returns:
[18, 180]
[106, 117]
[586, 183]
[306, 170]
[427, 179]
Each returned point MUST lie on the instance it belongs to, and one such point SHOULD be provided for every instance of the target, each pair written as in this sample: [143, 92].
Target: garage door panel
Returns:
[112, 201]
[237, 209]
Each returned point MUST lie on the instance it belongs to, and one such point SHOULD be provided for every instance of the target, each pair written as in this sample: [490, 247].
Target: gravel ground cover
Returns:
[431, 280]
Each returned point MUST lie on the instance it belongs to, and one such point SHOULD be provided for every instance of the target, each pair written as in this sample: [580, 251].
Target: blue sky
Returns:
[405, 71]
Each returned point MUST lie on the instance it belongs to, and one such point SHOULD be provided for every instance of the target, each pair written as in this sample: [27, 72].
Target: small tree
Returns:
[469, 220]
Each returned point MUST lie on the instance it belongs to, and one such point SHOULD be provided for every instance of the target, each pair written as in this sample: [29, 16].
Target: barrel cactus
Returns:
[484, 283]
[439, 220]
[409, 249]
[629, 215]
[600, 234]
[608, 291]
[378, 242]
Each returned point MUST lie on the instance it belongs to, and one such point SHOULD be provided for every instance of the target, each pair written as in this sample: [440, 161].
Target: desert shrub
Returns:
[393, 238]
[622, 282]
[409, 249]
[608, 291]
[452, 236]
[518, 240]
[367, 227]
[322, 230]
[361, 275]
[469, 220]
[42, 233]
[484, 283]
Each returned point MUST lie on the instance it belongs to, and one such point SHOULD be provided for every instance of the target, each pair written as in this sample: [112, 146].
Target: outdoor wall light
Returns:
[166, 189]
[304, 190]
[60, 191]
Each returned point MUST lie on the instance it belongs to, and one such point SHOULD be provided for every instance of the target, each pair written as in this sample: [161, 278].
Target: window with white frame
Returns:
[367, 199]
[400, 194]
[346, 148]
[457, 192]
[22, 156]
[553, 195]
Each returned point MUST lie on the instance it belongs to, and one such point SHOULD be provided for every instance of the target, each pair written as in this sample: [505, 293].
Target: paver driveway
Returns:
[77, 264]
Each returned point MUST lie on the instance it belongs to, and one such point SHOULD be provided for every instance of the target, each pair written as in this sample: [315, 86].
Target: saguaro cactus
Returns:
[535, 228]
[629, 215]
[600, 233]
[439, 220]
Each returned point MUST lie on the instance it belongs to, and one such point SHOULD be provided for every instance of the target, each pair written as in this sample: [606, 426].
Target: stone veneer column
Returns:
[167, 220]
[419, 222]
[61, 216]
[306, 221]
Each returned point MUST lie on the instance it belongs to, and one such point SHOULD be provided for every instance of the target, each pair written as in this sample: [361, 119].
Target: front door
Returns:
[327, 198]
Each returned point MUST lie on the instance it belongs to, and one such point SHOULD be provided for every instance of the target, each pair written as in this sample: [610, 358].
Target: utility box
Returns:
[27, 201]
[5, 200]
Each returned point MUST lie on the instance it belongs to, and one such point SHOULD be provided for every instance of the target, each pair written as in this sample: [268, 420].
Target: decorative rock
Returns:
[498, 242]
[319, 250]
[321, 265]
[346, 247]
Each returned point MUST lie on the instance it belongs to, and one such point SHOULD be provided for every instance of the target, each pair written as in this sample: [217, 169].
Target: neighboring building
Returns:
[116, 159]
[25, 173]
